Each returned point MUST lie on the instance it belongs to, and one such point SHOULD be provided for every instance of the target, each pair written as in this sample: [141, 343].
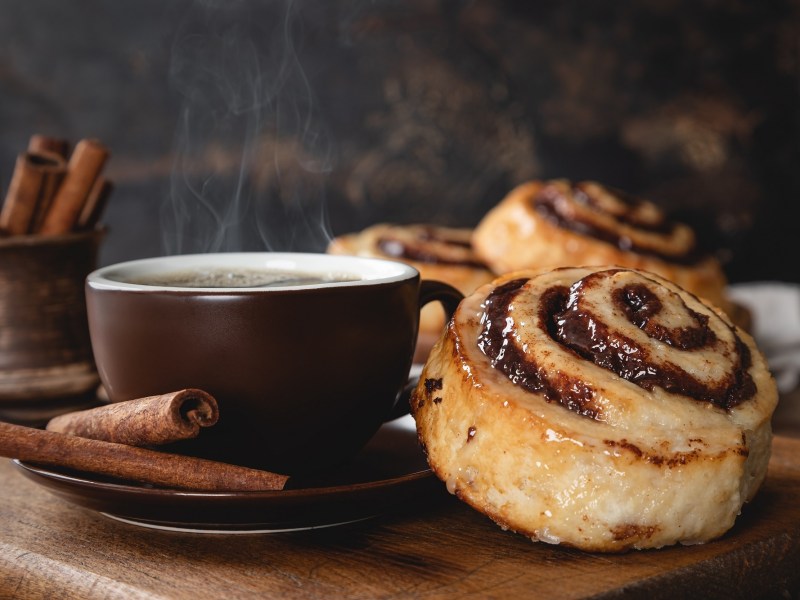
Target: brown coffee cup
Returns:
[305, 370]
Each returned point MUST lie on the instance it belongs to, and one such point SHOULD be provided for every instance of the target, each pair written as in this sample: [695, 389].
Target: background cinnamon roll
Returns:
[604, 409]
[440, 253]
[549, 224]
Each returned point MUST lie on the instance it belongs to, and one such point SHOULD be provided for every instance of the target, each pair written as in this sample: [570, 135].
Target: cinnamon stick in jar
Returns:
[33, 185]
[131, 463]
[83, 170]
[45, 143]
[149, 421]
[95, 204]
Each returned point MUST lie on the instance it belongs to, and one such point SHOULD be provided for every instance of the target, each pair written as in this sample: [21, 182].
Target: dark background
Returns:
[273, 125]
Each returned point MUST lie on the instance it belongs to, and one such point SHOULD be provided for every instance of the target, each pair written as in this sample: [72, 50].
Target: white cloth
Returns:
[775, 308]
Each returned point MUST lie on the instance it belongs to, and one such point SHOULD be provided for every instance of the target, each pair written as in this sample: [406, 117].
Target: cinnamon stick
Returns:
[149, 421]
[33, 185]
[95, 204]
[46, 143]
[49, 189]
[131, 463]
[83, 169]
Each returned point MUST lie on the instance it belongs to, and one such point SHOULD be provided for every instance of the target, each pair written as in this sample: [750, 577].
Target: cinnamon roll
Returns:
[440, 253]
[602, 408]
[549, 224]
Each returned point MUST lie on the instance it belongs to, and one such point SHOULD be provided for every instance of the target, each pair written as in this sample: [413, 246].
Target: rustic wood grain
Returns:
[49, 548]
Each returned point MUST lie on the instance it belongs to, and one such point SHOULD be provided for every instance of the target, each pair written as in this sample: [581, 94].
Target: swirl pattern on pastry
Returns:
[603, 408]
[550, 224]
[428, 244]
[627, 222]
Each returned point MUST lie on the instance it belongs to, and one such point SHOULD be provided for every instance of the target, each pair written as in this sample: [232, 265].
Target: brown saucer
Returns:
[388, 475]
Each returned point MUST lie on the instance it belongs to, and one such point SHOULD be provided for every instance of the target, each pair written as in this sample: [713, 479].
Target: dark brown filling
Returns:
[582, 332]
[520, 368]
[550, 198]
[437, 235]
[398, 248]
[641, 304]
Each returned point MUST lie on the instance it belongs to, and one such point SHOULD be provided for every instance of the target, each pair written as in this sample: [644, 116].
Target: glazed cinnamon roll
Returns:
[549, 224]
[440, 253]
[605, 409]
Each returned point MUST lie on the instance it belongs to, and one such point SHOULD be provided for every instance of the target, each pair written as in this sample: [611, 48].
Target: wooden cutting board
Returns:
[51, 548]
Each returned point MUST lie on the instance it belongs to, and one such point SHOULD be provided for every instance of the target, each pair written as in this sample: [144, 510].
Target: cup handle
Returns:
[448, 296]
[429, 291]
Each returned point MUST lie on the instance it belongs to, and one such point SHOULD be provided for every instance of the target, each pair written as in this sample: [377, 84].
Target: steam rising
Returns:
[251, 152]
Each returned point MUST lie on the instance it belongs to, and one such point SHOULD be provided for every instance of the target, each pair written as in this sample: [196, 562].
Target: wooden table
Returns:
[52, 549]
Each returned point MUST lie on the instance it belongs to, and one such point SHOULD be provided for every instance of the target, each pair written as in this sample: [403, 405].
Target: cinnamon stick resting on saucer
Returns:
[149, 421]
[131, 463]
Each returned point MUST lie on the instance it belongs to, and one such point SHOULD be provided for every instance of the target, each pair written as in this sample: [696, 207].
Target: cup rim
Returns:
[370, 271]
